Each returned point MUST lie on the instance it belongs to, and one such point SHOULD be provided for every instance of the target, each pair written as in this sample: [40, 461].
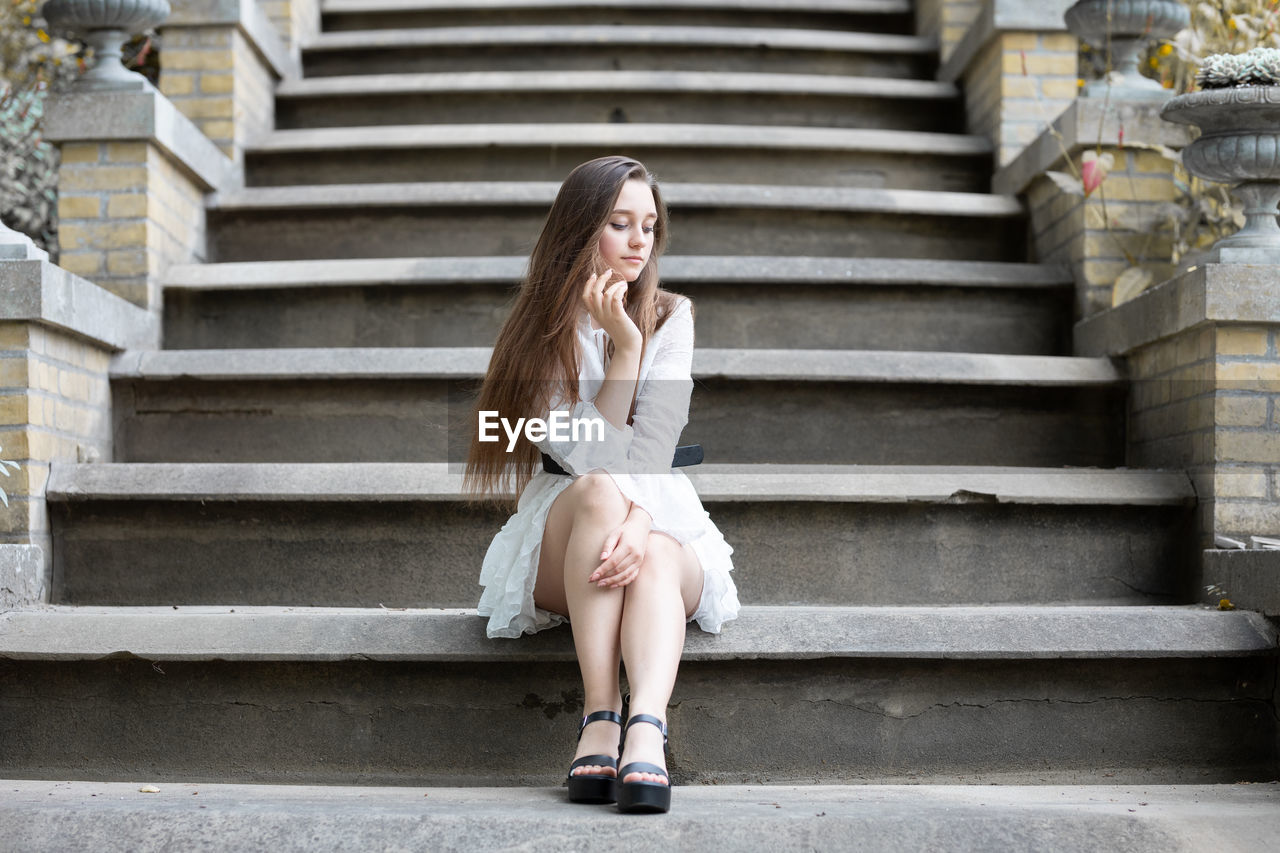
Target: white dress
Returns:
[631, 456]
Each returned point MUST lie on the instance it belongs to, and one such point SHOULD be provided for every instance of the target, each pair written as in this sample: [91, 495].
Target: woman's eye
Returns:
[619, 226]
[648, 229]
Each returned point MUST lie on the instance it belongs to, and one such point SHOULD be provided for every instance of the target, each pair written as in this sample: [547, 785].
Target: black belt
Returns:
[689, 454]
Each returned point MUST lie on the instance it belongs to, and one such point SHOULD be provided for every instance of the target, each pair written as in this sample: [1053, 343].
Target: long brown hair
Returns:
[536, 353]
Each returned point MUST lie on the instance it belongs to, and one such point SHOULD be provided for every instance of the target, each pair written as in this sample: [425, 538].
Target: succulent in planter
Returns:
[1238, 113]
[1258, 67]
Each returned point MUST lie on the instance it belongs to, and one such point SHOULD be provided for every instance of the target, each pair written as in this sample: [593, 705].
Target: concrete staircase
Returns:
[948, 575]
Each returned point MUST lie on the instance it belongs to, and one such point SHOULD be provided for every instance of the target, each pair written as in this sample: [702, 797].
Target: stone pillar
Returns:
[1018, 67]
[1092, 234]
[219, 65]
[131, 188]
[947, 21]
[1205, 369]
[57, 334]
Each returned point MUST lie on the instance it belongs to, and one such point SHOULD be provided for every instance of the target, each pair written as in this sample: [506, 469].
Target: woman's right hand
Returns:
[606, 303]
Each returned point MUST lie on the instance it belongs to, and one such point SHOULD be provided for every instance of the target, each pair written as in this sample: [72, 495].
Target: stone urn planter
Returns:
[106, 25]
[1133, 24]
[1239, 144]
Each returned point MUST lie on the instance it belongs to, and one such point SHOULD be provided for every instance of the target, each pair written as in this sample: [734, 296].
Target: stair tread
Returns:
[542, 193]
[298, 817]
[599, 133]
[175, 632]
[769, 364]
[439, 481]
[859, 6]
[629, 82]
[746, 38]
[676, 269]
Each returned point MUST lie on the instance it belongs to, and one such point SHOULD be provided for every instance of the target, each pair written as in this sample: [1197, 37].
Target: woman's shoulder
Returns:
[671, 305]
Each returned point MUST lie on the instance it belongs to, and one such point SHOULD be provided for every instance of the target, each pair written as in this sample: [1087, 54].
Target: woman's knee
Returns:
[661, 565]
[596, 497]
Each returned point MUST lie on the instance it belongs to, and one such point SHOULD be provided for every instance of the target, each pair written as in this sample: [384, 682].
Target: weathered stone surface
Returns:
[1248, 579]
[23, 578]
[59, 816]
[45, 293]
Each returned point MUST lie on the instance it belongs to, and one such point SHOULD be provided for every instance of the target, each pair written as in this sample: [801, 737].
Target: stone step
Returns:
[754, 405]
[576, 47]
[784, 694]
[710, 153]
[769, 303]
[870, 15]
[53, 817]
[821, 100]
[505, 218]
[400, 534]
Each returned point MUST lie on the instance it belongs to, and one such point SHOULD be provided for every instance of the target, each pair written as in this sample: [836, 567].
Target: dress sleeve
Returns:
[638, 457]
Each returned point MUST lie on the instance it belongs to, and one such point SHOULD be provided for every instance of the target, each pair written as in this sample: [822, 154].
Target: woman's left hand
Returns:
[622, 555]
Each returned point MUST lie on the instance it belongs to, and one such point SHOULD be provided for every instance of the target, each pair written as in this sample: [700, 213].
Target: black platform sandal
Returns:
[594, 787]
[638, 797]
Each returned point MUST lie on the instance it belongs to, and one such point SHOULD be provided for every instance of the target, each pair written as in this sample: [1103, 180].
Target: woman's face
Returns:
[627, 238]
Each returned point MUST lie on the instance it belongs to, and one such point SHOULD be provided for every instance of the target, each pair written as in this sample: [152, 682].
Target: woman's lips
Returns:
[634, 260]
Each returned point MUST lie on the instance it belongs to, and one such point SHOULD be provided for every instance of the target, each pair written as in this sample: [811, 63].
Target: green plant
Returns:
[5, 464]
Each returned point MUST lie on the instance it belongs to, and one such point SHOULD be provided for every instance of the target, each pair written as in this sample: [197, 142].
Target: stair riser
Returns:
[337, 232]
[613, 57]
[746, 315]
[738, 421]
[1114, 722]
[727, 17]
[428, 554]
[368, 109]
[552, 163]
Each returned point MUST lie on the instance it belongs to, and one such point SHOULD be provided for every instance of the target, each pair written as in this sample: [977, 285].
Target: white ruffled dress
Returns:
[631, 456]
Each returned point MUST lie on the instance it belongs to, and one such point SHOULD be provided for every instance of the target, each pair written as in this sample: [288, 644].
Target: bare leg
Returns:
[577, 524]
[658, 602]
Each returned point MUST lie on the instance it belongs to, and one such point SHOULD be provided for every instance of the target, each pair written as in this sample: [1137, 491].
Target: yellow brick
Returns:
[13, 408]
[107, 235]
[1151, 161]
[1240, 410]
[217, 83]
[208, 108]
[127, 152]
[1059, 42]
[86, 264]
[80, 152]
[79, 207]
[1040, 65]
[127, 205]
[176, 83]
[1247, 446]
[103, 178]
[198, 60]
[14, 335]
[14, 372]
[1241, 341]
[1125, 188]
[1240, 482]
[1248, 376]
[219, 130]
[1020, 41]
[128, 262]
[1065, 88]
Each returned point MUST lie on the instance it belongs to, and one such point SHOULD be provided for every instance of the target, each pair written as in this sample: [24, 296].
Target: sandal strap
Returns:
[601, 760]
[644, 767]
[597, 716]
[648, 718]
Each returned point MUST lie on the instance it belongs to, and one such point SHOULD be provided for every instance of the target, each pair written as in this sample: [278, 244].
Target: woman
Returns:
[620, 545]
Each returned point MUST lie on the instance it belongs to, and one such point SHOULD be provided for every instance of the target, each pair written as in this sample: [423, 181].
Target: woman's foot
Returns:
[644, 744]
[598, 738]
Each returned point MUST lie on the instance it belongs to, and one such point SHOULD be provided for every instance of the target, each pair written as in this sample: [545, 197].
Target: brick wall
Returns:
[126, 211]
[216, 78]
[1016, 84]
[1072, 229]
[947, 21]
[55, 405]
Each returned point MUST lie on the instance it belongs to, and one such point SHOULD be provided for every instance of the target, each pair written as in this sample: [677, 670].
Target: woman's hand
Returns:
[622, 555]
[606, 303]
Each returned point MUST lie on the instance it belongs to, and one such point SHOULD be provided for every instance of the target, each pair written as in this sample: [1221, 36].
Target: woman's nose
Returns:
[639, 238]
